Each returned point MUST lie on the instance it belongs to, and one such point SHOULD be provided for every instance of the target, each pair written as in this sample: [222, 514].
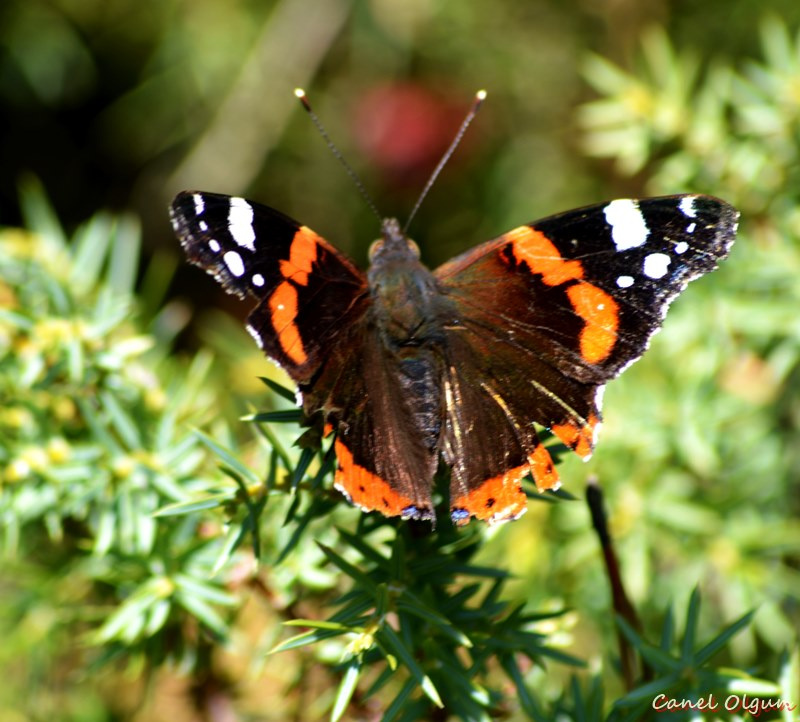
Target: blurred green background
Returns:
[119, 105]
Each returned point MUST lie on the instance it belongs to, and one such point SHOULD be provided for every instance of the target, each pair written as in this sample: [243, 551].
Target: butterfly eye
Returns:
[374, 248]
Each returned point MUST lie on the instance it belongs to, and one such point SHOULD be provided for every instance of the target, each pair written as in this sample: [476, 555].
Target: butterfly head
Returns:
[393, 243]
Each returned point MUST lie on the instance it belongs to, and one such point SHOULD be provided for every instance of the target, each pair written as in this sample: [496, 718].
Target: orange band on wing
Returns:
[500, 498]
[302, 254]
[600, 314]
[365, 489]
[543, 470]
[283, 302]
[599, 311]
[283, 315]
[542, 257]
[578, 437]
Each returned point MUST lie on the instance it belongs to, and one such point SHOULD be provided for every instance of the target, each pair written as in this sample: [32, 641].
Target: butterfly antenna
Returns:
[301, 95]
[480, 96]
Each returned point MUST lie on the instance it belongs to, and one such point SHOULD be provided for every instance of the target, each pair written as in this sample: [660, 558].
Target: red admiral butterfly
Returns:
[408, 365]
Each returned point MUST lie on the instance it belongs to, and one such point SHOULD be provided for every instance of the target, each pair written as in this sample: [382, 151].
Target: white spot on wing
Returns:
[258, 279]
[656, 265]
[199, 204]
[686, 206]
[628, 229]
[234, 263]
[240, 223]
[214, 246]
[203, 226]
[682, 247]
[624, 281]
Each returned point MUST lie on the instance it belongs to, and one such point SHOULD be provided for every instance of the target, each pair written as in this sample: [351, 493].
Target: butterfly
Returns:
[409, 367]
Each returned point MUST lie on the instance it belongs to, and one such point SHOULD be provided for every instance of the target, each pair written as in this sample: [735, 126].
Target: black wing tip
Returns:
[184, 215]
[721, 218]
[725, 210]
[182, 198]
[727, 222]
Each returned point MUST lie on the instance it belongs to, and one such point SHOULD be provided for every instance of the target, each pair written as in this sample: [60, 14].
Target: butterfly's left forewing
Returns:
[549, 312]
[306, 291]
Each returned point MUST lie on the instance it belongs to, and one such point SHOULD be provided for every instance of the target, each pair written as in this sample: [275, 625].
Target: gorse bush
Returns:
[145, 529]
[97, 437]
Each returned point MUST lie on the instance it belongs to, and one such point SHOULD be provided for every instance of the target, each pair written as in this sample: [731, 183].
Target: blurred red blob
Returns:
[405, 128]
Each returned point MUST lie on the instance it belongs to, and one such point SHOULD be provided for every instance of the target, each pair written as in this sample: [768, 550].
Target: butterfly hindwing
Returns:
[502, 387]
[378, 405]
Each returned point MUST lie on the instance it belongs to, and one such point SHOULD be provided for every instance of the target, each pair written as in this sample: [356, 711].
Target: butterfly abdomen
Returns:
[421, 387]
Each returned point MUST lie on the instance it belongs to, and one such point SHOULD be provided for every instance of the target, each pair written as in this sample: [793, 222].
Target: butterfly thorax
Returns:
[405, 294]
